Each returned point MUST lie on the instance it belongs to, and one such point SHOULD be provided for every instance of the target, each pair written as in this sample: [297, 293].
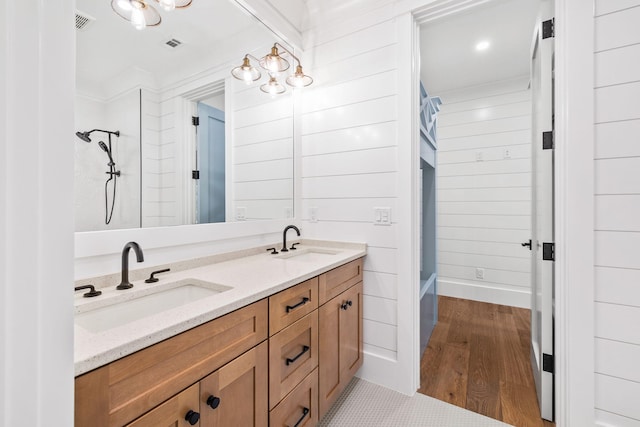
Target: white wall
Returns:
[484, 192]
[617, 212]
[36, 213]
[350, 164]
[121, 113]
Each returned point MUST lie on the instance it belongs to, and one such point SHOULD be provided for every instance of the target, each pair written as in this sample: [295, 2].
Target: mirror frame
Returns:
[108, 242]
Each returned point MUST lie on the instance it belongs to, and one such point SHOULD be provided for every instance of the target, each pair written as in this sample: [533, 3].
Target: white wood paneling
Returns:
[380, 310]
[617, 65]
[618, 285]
[264, 151]
[607, 419]
[382, 285]
[617, 139]
[617, 103]
[376, 135]
[483, 202]
[617, 29]
[618, 359]
[353, 162]
[520, 179]
[340, 187]
[608, 6]
[617, 322]
[618, 396]
[615, 176]
[617, 249]
[617, 213]
[380, 334]
[351, 209]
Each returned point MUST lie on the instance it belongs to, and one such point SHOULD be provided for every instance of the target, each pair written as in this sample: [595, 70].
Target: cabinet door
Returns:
[300, 407]
[236, 394]
[173, 412]
[340, 343]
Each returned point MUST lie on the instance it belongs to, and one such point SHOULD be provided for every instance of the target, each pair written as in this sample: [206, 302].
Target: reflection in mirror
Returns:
[234, 163]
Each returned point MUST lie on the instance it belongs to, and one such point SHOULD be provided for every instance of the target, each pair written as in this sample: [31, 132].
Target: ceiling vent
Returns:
[173, 43]
[83, 20]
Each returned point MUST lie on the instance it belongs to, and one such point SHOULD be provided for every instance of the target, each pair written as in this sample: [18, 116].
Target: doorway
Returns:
[484, 168]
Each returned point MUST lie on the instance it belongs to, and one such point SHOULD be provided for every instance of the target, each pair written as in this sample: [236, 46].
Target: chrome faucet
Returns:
[124, 283]
[284, 237]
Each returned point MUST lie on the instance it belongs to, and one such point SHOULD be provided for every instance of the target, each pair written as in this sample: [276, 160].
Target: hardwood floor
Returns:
[478, 359]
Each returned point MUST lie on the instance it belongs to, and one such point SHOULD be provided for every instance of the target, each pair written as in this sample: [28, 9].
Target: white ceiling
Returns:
[448, 56]
[211, 30]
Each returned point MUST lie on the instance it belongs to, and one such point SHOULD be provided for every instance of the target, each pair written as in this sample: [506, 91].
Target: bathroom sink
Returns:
[133, 305]
[309, 254]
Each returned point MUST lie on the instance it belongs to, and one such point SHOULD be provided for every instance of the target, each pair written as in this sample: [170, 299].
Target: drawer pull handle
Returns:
[192, 417]
[213, 401]
[346, 305]
[305, 348]
[303, 302]
[305, 412]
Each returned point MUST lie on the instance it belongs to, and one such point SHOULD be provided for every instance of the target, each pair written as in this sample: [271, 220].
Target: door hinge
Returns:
[195, 174]
[548, 251]
[195, 120]
[548, 28]
[547, 140]
[547, 362]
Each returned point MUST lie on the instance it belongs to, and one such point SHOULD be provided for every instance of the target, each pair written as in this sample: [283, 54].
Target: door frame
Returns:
[574, 190]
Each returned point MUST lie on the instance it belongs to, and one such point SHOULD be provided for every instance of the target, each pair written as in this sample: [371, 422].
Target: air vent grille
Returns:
[83, 20]
[173, 43]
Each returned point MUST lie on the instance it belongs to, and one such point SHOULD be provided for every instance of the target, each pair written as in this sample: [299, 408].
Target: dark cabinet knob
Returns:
[192, 417]
[346, 305]
[213, 402]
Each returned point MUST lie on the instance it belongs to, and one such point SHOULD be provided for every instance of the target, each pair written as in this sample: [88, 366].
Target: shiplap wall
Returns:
[120, 113]
[350, 165]
[484, 192]
[262, 153]
[617, 216]
[153, 157]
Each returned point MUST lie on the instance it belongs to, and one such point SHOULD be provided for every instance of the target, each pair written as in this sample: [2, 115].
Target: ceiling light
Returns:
[274, 64]
[141, 14]
[483, 45]
[246, 71]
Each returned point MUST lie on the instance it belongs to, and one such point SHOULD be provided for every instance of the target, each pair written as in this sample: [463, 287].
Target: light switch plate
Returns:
[313, 214]
[480, 273]
[241, 213]
[382, 216]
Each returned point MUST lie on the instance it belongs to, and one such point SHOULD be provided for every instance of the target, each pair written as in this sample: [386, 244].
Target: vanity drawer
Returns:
[300, 407]
[338, 280]
[293, 354]
[292, 304]
[123, 390]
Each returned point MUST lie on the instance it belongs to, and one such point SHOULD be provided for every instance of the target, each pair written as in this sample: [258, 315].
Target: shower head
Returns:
[84, 136]
[104, 148]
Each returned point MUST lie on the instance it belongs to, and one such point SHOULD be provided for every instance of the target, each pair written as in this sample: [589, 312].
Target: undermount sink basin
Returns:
[122, 309]
[309, 254]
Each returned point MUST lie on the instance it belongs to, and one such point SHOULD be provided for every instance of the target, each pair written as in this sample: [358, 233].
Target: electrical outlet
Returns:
[288, 212]
[313, 214]
[480, 273]
[241, 213]
[506, 153]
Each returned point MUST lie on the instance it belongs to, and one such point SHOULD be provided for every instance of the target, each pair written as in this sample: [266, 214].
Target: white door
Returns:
[542, 246]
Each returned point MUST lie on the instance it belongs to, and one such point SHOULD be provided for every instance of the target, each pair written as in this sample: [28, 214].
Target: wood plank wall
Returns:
[350, 163]
[617, 215]
[484, 191]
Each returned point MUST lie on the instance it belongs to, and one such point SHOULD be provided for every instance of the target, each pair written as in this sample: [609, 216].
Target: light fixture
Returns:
[141, 14]
[273, 87]
[246, 71]
[483, 45]
[274, 64]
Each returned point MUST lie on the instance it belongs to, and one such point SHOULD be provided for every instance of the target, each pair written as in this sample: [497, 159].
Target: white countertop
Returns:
[251, 278]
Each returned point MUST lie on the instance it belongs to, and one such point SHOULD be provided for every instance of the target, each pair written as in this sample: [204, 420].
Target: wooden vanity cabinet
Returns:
[340, 342]
[123, 390]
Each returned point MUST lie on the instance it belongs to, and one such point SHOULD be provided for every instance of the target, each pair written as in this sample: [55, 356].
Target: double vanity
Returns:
[250, 338]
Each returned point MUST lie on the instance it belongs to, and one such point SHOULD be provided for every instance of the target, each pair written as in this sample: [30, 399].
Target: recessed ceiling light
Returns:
[483, 45]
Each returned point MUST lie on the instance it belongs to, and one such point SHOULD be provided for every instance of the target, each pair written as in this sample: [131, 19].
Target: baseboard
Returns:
[484, 293]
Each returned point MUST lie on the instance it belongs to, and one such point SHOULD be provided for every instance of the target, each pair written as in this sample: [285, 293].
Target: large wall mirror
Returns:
[148, 164]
